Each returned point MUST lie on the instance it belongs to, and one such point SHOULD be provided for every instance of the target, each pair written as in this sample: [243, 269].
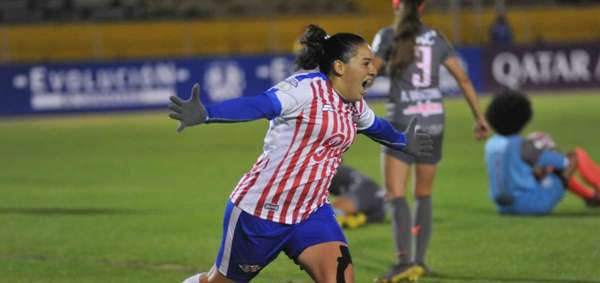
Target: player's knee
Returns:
[392, 194]
[214, 277]
[205, 278]
[395, 189]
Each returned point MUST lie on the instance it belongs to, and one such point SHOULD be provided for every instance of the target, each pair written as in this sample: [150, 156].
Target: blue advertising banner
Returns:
[81, 87]
[146, 84]
[543, 67]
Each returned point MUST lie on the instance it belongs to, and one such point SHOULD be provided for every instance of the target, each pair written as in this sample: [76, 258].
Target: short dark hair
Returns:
[509, 112]
[321, 50]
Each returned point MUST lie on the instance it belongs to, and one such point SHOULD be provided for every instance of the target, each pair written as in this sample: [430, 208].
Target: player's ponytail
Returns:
[321, 50]
[312, 42]
[406, 28]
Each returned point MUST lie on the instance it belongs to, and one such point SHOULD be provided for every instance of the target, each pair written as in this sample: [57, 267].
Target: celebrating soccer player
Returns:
[280, 204]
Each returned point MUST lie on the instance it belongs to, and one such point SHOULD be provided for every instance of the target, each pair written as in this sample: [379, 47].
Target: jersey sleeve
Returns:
[377, 129]
[534, 156]
[286, 99]
[243, 109]
[529, 153]
[366, 116]
[291, 97]
[446, 50]
[554, 159]
[382, 43]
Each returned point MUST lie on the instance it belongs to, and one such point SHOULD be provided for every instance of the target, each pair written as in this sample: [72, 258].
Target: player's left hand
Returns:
[189, 112]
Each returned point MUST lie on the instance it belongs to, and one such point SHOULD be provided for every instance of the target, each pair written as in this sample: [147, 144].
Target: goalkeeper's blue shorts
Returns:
[250, 243]
[540, 200]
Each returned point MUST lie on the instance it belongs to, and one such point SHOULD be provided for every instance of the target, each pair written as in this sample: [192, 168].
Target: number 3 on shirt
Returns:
[423, 62]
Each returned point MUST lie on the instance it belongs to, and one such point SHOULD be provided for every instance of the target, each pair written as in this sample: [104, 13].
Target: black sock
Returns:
[401, 229]
[423, 220]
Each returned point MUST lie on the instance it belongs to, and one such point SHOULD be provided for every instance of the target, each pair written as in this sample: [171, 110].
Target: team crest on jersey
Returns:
[287, 84]
[250, 268]
[271, 206]
[292, 81]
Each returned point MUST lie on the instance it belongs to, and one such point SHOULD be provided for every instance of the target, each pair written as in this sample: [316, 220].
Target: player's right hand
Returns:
[419, 143]
[481, 130]
[189, 112]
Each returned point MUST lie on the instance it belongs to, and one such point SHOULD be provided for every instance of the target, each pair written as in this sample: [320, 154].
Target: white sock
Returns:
[193, 279]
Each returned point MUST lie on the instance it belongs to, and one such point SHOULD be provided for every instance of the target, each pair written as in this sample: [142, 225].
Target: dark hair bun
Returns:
[313, 45]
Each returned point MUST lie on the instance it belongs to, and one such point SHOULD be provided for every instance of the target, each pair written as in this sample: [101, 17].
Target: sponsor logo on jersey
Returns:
[250, 268]
[427, 38]
[331, 147]
[272, 206]
[424, 109]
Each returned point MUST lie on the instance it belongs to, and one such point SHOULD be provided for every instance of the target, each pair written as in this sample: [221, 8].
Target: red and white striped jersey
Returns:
[302, 150]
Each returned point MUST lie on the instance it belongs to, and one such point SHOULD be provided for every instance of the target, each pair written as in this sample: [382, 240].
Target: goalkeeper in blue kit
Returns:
[527, 176]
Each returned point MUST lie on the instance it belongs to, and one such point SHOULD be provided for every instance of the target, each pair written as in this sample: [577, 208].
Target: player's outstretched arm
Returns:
[188, 112]
[247, 108]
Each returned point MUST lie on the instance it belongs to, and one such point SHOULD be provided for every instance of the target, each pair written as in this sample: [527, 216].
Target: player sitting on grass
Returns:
[527, 176]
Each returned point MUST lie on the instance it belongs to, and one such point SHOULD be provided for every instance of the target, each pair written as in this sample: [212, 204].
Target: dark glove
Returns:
[189, 112]
[419, 143]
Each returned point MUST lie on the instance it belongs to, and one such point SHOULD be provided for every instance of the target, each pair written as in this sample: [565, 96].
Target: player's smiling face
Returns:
[357, 74]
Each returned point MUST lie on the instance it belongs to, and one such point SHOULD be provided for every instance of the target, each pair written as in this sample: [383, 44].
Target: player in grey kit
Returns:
[357, 199]
[412, 55]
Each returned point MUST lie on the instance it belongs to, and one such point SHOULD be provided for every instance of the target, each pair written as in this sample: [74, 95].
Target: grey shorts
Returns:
[369, 199]
[435, 157]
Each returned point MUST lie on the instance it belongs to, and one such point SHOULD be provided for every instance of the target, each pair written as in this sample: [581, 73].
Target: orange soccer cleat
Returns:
[588, 169]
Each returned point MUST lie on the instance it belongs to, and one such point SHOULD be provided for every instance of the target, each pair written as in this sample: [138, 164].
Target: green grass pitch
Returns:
[124, 198]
